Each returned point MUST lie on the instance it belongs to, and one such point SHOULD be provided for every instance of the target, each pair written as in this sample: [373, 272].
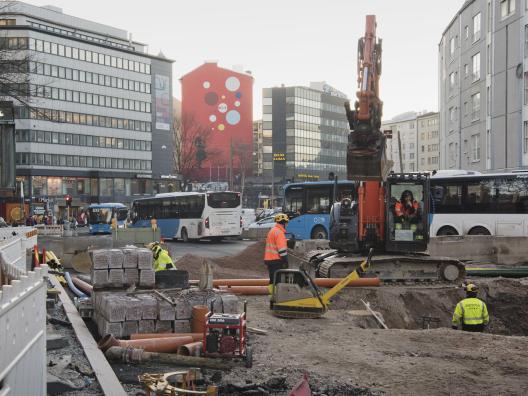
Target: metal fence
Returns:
[22, 319]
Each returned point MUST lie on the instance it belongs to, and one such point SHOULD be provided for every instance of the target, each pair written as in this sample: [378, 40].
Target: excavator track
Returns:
[387, 267]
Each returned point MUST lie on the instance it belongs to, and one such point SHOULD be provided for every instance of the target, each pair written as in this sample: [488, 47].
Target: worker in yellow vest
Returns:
[471, 312]
[162, 259]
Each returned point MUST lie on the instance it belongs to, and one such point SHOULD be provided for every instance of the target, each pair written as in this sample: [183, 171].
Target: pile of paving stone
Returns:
[122, 267]
[122, 310]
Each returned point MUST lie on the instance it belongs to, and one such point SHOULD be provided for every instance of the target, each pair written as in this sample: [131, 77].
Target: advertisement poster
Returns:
[162, 95]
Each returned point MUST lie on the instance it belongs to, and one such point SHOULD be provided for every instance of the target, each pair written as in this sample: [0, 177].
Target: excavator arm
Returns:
[366, 157]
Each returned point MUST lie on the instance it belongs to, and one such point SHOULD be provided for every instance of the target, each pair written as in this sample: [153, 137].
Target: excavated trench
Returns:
[422, 307]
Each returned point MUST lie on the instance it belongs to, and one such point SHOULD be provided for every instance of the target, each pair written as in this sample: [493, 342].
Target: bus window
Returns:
[512, 196]
[318, 199]
[293, 201]
[447, 198]
[480, 197]
[223, 200]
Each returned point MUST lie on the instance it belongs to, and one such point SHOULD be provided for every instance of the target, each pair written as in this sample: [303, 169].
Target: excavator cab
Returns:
[407, 212]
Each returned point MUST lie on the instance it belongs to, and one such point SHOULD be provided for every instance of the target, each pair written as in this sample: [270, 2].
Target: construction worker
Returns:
[407, 209]
[276, 251]
[162, 259]
[471, 312]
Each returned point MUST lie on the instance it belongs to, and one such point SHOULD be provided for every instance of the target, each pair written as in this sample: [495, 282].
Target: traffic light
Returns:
[68, 199]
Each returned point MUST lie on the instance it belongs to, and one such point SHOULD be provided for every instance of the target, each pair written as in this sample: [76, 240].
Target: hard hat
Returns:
[281, 217]
[471, 287]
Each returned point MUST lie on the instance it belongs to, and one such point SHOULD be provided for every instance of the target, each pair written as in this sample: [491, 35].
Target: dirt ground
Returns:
[346, 353]
[246, 264]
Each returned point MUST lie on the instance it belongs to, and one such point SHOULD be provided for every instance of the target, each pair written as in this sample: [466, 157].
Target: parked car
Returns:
[267, 222]
[248, 217]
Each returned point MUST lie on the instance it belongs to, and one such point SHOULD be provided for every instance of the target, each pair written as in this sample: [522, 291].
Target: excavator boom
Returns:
[366, 157]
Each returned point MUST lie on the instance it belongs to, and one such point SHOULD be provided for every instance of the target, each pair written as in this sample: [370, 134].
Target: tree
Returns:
[191, 147]
[243, 157]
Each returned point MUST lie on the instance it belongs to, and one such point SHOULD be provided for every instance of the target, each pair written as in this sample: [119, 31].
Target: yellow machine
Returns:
[295, 295]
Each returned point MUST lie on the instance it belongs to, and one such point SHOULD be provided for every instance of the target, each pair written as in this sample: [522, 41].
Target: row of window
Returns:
[69, 117]
[88, 56]
[44, 91]
[430, 161]
[26, 135]
[104, 80]
[80, 35]
[430, 147]
[81, 161]
[333, 108]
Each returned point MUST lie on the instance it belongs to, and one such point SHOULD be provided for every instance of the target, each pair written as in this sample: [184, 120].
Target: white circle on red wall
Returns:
[212, 118]
[206, 84]
[237, 103]
[233, 117]
[222, 107]
[232, 84]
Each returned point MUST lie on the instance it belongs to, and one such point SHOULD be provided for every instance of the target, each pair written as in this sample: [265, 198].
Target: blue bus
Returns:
[100, 217]
[308, 205]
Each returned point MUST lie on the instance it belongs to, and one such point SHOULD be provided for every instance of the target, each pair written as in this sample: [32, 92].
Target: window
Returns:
[452, 47]
[525, 137]
[476, 27]
[475, 61]
[526, 41]
[452, 114]
[466, 31]
[475, 148]
[475, 106]
[507, 8]
[452, 80]
[466, 70]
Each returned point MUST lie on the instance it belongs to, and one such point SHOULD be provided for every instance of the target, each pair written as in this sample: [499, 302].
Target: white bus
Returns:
[191, 215]
[469, 203]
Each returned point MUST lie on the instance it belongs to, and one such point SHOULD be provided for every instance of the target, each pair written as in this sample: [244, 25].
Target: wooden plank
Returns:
[376, 315]
[102, 369]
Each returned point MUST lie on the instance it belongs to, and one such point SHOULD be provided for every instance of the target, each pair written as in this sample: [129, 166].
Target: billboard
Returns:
[162, 98]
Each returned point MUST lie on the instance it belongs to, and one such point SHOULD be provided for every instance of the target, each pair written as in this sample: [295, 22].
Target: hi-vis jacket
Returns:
[276, 248]
[401, 210]
[162, 260]
[471, 311]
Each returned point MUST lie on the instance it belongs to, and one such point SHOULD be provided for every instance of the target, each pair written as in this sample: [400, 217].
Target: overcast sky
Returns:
[289, 42]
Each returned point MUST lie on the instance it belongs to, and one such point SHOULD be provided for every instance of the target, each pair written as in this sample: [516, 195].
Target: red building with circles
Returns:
[220, 101]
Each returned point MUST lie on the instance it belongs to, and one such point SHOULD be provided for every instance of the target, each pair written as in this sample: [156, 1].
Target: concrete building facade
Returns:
[99, 127]
[483, 80]
[304, 133]
[404, 128]
[258, 154]
[428, 148]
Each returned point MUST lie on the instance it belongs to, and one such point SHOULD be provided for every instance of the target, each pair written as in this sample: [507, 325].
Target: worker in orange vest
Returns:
[276, 251]
[407, 209]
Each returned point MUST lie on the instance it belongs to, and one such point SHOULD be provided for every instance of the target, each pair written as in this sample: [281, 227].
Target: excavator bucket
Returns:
[366, 158]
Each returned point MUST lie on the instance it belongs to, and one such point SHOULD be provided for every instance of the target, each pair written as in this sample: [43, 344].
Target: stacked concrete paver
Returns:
[143, 311]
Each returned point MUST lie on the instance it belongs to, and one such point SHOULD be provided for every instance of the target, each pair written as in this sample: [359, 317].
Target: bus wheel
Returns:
[319, 232]
[184, 235]
[479, 231]
[446, 230]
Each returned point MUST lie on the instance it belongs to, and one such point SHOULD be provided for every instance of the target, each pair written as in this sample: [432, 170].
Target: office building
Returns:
[428, 148]
[99, 126]
[404, 136]
[258, 159]
[483, 87]
[304, 132]
[217, 104]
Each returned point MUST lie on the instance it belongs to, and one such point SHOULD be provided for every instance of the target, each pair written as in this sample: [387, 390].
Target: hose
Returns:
[72, 287]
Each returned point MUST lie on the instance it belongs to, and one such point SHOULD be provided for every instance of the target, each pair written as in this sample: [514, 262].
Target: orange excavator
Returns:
[389, 212]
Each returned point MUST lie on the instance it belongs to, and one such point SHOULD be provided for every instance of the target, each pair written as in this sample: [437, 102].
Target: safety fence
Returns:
[22, 320]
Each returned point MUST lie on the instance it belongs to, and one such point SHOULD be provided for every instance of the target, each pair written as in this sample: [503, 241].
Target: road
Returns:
[207, 249]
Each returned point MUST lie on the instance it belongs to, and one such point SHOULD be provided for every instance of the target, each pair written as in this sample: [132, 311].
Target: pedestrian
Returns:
[276, 250]
[162, 259]
[471, 313]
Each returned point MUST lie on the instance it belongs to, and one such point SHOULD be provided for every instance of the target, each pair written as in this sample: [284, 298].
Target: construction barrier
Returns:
[43, 229]
[22, 322]
[15, 242]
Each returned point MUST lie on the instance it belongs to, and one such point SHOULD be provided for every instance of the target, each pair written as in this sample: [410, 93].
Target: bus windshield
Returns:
[104, 215]
[223, 200]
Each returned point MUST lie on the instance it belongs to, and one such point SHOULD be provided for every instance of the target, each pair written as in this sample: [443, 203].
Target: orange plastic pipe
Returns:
[331, 282]
[142, 336]
[192, 349]
[247, 290]
[166, 344]
[240, 282]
